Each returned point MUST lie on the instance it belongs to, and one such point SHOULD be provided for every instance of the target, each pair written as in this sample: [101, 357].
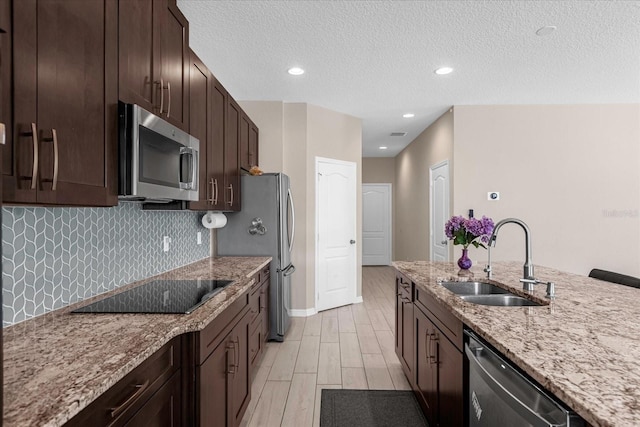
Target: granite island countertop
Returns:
[583, 347]
[55, 365]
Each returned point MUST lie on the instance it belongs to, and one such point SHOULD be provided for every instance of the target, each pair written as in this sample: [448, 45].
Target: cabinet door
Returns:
[244, 142]
[231, 159]
[240, 392]
[65, 89]
[163, 409]
[216, 149]
[5, 82]
[425, 366]
[214, 375]
[253, 146]
[139, 39]
[264, 309]
[450, 381]
[404, 332]
[200, 125]
[175, 56]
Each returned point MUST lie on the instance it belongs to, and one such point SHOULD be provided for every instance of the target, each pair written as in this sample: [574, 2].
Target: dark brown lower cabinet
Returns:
[404, 326]
[224, 381]
[439, 374]
[164, 409]
[152, 391]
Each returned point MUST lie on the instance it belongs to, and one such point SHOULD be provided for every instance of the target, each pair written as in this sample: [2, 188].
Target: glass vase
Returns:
[464, 262]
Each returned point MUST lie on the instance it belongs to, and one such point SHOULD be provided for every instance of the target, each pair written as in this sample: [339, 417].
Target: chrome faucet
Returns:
[528, 264]
[528, 280]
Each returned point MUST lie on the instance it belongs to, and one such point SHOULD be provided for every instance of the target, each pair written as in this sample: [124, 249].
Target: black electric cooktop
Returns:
[159, 296]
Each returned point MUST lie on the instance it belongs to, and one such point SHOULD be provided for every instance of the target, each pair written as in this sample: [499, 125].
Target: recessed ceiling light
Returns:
[295, 71]
[545, 31]
[443, 70]
[382, 148]
[408, 115]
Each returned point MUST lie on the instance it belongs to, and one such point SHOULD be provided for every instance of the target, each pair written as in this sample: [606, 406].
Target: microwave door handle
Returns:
[186, 151]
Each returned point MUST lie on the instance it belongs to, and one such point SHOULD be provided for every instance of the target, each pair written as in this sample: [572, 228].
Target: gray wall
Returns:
[53, 257]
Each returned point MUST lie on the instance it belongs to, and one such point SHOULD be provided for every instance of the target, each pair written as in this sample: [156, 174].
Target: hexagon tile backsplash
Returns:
[52, 257]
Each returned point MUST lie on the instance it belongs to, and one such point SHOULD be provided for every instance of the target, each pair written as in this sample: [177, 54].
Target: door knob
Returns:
[353, 242]
[444, 242]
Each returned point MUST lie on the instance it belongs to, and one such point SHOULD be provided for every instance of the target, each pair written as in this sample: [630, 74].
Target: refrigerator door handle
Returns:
[289, 270]
[293, 219]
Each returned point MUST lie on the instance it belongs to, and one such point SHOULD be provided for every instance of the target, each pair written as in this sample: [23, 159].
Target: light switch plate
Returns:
[165, 243]
[199, 237]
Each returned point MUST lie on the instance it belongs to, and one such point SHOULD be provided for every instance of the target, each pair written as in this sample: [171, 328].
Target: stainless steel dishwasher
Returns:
[499, 395]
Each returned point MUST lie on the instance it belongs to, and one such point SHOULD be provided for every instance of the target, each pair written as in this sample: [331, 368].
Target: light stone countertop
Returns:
[55, 365]
[583, 347]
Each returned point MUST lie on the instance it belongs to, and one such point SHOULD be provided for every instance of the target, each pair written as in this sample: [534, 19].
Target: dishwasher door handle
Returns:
[534, 418]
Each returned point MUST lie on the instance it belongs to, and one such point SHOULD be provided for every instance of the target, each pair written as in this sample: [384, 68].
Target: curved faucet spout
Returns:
[528, 264]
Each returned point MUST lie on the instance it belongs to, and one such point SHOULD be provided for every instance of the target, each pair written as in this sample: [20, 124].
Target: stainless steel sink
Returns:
[473, 288]
[486, 294]
[502, 300]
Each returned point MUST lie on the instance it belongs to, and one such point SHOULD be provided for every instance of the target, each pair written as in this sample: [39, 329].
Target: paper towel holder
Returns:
[256, 227]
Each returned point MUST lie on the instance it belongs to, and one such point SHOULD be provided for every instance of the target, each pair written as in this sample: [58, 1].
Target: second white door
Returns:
[439, 187]
[376, 224]
[336, 244]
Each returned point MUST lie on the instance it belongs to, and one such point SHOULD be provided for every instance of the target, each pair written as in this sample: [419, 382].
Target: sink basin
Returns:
[473, 288]
[502, 300]
[486, 294]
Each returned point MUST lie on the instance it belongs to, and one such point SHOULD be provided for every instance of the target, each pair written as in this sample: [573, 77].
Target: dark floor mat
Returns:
[370, 408]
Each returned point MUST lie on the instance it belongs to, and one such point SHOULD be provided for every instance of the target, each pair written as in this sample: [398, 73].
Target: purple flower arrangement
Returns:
[466, 231]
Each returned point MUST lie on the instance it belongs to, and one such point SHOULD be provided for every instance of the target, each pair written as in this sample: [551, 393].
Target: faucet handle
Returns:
[551, 290]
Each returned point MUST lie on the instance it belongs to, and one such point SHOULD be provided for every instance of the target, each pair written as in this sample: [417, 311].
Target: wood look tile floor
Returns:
[347, 347]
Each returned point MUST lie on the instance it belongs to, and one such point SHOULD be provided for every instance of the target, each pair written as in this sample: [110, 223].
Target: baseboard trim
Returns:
[303, 312]
[358, 300]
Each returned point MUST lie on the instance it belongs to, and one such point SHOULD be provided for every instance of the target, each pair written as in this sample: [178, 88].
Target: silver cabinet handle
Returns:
[55, 159]
[230, 187]
[210, 187]
[427, 347]
[231, 369]
[215, 186]
[433, 358]
[169, 103]
[3, 134]
[36, 156]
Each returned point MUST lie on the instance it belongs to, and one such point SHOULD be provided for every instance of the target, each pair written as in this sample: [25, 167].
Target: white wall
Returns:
[572, 173]
[412, 216]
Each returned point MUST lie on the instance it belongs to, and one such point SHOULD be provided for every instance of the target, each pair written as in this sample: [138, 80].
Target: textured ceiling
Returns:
[375, 59]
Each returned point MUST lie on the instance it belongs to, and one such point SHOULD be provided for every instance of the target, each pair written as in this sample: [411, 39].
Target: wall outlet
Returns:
[493, 195]
[165, 243]
[199, 237]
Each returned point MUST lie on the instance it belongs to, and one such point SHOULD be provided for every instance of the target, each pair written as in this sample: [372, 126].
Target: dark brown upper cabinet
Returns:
[200, 87]
[248, 143]
[62, 147]
[154, 58]
[232, 156]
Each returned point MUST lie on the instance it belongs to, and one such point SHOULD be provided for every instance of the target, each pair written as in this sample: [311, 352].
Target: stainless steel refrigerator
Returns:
[265, 226]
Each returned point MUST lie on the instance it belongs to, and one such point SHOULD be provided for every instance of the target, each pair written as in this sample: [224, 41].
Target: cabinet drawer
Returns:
[212, 335]
[449, 324]
[118, 404]
[262, 276]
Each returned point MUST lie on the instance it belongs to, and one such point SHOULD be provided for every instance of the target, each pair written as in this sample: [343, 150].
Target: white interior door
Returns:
[439, 188]
[336, 233]
[376, 224]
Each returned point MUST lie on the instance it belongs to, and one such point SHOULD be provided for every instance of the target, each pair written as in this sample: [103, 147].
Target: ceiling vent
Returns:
[398, 133]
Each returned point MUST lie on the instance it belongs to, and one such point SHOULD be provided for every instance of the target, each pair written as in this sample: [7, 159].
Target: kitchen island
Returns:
[55, 365]
[582, 347]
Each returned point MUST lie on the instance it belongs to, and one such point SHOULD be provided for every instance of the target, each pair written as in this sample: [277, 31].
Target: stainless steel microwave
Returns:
[157, 161]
